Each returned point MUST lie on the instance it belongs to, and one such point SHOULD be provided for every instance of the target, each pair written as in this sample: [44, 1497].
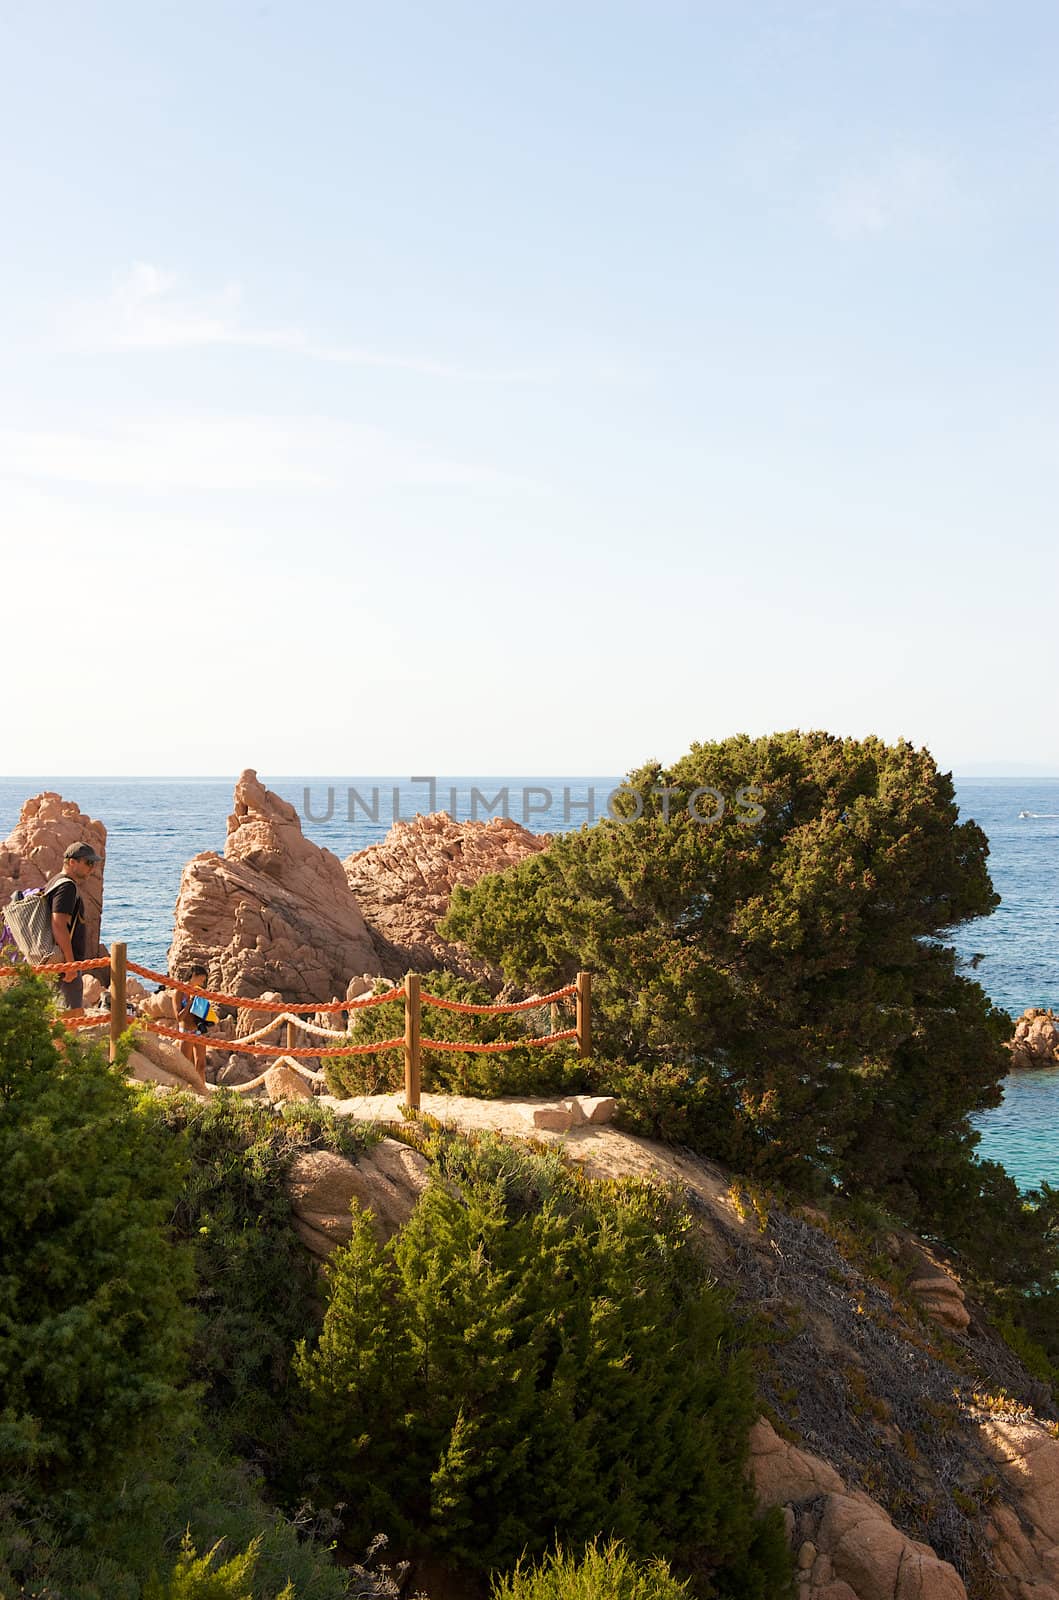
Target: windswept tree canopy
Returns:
[773, 978]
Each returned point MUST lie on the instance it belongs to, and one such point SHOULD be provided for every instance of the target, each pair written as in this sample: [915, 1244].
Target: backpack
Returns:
[204, 1011]
[28, 919]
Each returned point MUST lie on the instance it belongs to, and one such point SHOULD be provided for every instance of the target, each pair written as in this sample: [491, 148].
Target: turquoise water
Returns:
[155, 825]
[1020, 967]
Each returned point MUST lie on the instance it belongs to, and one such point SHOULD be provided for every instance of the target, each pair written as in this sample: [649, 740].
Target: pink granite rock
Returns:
[323, 1187]
[846, 1545]
[284, 1082]
[403, 884]
[933, 1286]
[1036, 1040]
[275, 912]
[33, 852]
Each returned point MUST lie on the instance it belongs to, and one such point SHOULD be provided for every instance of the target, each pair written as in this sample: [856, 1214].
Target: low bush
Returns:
[255, 1282]
[600, 1574]
[534, 1357]
[93, 1326]
[106, 1454]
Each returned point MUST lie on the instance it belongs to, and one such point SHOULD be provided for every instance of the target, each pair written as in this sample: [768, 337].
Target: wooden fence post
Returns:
[290, 1035]
[118, 1018]
[584, 1014]
[553, 1017]
[412, 1015]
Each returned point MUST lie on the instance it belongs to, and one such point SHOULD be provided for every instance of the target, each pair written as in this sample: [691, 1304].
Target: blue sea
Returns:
[155, 825]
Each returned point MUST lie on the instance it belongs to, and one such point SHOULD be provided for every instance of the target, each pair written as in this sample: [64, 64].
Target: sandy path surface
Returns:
[600, 1149]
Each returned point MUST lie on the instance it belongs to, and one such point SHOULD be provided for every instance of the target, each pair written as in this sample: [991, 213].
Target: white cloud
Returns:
[901, 190]
[250, 453]
[148, 309]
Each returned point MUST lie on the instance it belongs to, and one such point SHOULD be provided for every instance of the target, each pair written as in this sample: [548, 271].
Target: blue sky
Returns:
[527, 388]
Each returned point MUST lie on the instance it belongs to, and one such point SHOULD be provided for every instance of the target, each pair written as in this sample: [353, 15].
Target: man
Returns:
[68, 917]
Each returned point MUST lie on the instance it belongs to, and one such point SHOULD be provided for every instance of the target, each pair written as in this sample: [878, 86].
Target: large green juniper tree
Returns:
[774, 978]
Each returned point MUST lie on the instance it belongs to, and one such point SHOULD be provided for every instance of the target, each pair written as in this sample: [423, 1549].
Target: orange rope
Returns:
[83, 1022]
[272, 1049]
[482, 1049]
[97, 962]
[522, 1005]
[241, 1003]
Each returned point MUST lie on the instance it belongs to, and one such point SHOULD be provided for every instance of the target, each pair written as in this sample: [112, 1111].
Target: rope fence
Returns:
[296, 1016]
[520, 1005]
[69, 969]
[240, 1002]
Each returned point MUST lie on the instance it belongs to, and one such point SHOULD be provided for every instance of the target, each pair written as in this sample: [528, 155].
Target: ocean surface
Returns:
[155, 825]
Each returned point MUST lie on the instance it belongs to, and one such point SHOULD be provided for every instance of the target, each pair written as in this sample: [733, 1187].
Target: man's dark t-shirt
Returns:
[66, 900]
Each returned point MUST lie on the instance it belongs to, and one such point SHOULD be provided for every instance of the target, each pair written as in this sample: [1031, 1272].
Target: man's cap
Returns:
[80, 852]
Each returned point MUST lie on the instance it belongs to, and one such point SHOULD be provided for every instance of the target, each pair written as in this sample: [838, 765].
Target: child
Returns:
[195, 1011]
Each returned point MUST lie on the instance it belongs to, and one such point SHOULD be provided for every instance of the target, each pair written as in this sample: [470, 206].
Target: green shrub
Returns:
[214, 1498]
[534, 1356]
[541, 1069]
[105, 1455]
[256, 1283]
[93, 1328]
[600, 1574]
[198, 1577]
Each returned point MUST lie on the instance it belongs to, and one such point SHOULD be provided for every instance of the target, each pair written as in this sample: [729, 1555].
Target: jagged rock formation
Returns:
[403, 884]
[845, 1545]
[275, 912]
[33, 852]
[1036, 1040]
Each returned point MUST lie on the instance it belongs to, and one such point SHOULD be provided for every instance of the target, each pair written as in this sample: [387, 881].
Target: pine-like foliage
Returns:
[532, 1359]
[209, 1577]
[773, 980]
[255, 1281]
[605, 1573]
[105, 1456]
[93, 1329]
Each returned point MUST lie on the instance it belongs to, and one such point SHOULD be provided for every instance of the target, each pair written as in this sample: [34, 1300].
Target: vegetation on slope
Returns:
[773, 988]
[536, 1356]
[108, 1453]
[533, 1357]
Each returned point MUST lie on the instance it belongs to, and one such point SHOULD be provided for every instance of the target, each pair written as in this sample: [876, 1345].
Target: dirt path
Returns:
[602, 1150]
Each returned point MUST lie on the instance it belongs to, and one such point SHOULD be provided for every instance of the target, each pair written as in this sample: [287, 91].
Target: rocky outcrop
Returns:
[1026, 1541]
[33, 852]
[932, 1286]
[403, 884]
[559, 1116]
[275, 912]
[252, 1020]
[1036, 1040]
[234, 1070]
[846, 1547]
[388, 1181]
[155, 1060]
[283, 1082]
